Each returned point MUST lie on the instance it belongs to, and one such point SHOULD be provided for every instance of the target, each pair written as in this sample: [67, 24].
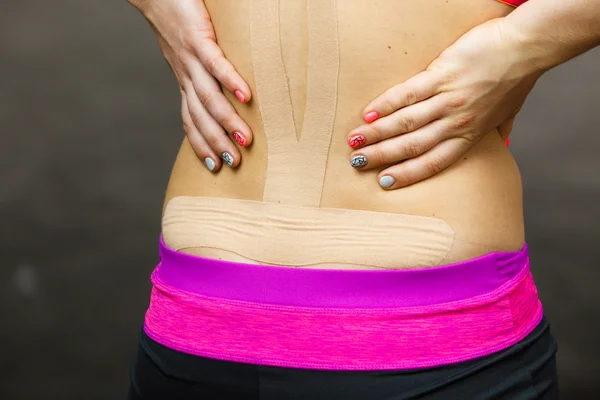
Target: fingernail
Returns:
[228, 158]
[358, 161]
[356, 140]
[240, 95]
[386, 181]
[210, 163]
[371, 116]
[239, 138]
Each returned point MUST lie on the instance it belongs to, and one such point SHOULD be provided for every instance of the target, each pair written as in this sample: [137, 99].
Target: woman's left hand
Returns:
[422, 126]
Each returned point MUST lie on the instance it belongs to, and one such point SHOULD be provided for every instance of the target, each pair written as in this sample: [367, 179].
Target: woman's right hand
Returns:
[187, 40]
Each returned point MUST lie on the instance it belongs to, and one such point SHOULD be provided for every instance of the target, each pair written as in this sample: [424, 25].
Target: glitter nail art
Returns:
[358, 161]
[228, 158]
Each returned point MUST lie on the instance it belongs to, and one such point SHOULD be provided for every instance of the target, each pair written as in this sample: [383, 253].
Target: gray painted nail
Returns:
[210, 164]
[386, 181]
[228, 158]
[358, 161]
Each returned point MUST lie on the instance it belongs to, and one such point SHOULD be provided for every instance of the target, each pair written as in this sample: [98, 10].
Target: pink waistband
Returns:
[342, 320]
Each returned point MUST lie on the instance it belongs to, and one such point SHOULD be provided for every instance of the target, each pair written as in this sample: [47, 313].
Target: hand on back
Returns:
[187, 40]
[422, 126]
[414, 130]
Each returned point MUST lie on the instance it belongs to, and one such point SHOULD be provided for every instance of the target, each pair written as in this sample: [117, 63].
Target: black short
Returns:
[526, 370]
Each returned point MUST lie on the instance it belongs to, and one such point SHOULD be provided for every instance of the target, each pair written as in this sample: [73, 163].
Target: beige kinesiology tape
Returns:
[289, 227]
[297, 236]
[290, 178]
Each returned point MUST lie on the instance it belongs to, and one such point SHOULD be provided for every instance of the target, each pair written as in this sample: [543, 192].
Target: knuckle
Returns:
[187, 38]
[212, 65]
[412, 148]
[183, 58]
[206, 97]
[404, 176]
[462, 121]
[389, 102]
[195, 117]
[449, 77]
[456, 101]
[227, 120]
[214, 142]
[376, 157]
[435, 165]
[372, 131]
[407, 123]
[410, 97]
[470, 138]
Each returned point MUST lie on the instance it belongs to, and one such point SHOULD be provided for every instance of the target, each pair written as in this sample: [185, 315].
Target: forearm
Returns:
[551, 32]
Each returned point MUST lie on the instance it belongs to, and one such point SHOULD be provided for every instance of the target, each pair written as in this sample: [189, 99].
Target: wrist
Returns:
[536, 53]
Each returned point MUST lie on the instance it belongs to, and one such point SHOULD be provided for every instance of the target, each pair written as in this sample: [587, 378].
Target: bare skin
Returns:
[478, 83]
[479, 196]
[434, 127]
[481, 81]
[187, 40]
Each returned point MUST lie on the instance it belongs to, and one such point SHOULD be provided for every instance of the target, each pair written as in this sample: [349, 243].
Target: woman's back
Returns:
[219, 328]
[312, 66]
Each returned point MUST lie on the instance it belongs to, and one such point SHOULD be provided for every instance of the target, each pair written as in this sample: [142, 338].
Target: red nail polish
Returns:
[371, 116]
[356, 140]
[239, 138]
[240, 95]
[507, 141]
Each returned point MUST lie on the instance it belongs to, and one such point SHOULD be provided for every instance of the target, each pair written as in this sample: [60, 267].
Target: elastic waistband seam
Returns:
[476, 301]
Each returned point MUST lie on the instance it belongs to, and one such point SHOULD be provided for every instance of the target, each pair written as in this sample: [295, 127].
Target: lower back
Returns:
[472, 208]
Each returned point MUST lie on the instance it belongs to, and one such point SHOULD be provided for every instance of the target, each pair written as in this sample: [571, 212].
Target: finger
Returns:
[212, 57]
[199, 145]
[399, 148]
[425, 166]
[212, 132]
[218, 106]
[405, 120]
[415, 89]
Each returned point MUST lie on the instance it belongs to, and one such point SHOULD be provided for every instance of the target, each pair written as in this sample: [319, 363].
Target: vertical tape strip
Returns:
[321, 103]
[296, 168]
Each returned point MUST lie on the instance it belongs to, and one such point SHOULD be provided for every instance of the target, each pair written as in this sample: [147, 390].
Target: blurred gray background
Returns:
[83, 87]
